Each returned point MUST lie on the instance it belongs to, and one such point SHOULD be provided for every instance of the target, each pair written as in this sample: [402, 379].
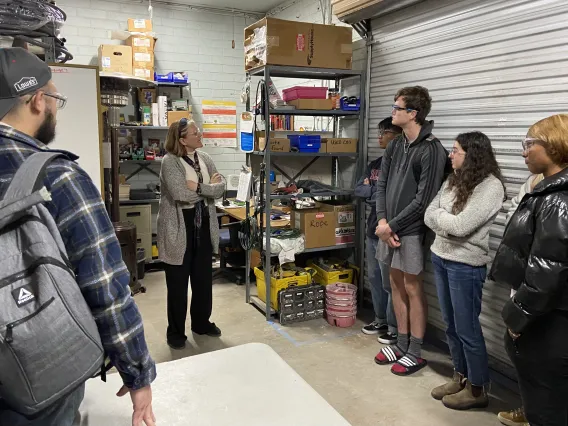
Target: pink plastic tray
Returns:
[343, 321]
[302, 92]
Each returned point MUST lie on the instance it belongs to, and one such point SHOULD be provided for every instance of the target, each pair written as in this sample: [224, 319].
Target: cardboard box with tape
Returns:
[141, 43]
[340, 144]
[273, 41]
[276, 144]
[140, 26]
[115, 58]
[174, 116]
[317, 226]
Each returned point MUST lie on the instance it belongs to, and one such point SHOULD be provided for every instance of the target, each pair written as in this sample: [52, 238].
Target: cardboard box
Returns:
[141, 43]
[318, 227]
[146, 73]
[341, 144]
[276, 144]
[298, 44]
[140, 26]
[147, 96]
[143, 60]
[344, 221]
[320, 104]
[323, 146]
[174, 116]
[114, 58]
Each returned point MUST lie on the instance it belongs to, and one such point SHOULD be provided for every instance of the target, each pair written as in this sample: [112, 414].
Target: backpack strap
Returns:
[31, 174]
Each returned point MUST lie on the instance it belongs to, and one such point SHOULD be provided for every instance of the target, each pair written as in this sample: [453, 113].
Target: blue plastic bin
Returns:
[305, 143]
[164, 78]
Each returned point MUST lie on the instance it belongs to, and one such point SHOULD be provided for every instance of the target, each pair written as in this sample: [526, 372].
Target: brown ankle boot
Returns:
[453, 386]
[466, 399]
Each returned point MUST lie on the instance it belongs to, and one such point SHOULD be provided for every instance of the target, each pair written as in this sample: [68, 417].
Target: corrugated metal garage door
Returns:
[494, 66]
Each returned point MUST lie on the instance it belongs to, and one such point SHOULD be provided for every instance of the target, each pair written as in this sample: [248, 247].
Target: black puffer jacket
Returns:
[533, 256]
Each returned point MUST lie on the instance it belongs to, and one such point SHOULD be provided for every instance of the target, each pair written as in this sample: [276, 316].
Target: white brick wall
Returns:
[197, 42]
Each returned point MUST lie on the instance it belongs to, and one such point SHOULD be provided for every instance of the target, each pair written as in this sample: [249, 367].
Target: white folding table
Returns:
[248, 385]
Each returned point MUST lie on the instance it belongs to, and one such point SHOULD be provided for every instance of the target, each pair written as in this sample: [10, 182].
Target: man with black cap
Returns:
[28, 109]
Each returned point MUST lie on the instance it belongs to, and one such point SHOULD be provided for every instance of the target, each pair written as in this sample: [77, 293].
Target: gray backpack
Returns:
[49, 342]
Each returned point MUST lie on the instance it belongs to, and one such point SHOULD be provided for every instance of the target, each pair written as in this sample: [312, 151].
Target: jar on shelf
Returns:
[335, 97]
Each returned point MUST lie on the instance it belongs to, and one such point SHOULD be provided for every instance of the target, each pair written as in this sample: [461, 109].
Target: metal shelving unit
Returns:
[337, 76]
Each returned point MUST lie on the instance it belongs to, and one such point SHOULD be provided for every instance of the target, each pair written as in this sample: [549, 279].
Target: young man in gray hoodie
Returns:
[412, 171]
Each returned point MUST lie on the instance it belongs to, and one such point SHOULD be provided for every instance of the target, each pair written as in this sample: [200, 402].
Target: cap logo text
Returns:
[25, 83]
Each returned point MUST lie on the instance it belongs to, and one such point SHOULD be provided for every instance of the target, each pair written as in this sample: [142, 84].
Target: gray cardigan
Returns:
[175, 195]
[464, 237]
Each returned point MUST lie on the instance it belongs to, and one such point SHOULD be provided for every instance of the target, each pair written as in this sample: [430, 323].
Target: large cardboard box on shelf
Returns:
[140, 25]
[146, 73]
[141, 43]
[276, 144]
[115, 58]
[319, 104]
[317, 226]
[273, 41]
[344, 221]
[143, 60]
[340, 144]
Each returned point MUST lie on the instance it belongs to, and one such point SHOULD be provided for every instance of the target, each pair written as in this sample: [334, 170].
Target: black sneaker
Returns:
[176, 345]
[375, 328]
[211, 331]
[388, 338]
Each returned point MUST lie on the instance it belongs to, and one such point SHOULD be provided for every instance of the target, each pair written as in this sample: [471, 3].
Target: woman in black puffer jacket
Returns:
[533, 260]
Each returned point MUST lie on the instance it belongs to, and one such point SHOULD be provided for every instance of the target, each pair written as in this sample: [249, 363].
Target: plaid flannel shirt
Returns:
[94, 252]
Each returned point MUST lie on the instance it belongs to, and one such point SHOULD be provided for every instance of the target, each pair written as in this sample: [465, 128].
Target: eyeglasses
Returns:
[61, 99]
[528, 143]
[456, 151]
[384, 132]
[397, 108]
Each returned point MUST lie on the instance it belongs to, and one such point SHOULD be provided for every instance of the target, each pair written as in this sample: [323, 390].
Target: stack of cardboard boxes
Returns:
[136, 57]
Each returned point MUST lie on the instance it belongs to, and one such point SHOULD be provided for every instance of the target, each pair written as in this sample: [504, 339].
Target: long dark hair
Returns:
[479, 163]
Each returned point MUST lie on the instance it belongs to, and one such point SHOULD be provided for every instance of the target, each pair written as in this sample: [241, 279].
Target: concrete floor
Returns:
[337, 363]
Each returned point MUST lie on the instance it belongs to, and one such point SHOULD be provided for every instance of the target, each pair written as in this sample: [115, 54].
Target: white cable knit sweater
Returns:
[464, 237]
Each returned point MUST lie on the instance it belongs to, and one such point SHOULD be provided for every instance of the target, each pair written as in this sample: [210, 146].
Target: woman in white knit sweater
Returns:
[461, 215]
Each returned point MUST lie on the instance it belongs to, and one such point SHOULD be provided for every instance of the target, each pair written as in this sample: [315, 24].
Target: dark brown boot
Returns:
[453, 386]
[468, 398]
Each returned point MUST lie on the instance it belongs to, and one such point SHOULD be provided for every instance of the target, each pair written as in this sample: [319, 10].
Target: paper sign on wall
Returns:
[219, 123]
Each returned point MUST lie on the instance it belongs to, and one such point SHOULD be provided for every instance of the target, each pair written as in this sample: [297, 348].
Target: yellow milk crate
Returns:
[340, 275]
[277, 284]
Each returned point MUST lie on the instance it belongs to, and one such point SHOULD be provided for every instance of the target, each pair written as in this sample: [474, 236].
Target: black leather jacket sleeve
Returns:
[546, 273]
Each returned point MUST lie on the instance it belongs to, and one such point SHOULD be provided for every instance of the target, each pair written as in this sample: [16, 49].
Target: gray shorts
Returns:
[408, 258]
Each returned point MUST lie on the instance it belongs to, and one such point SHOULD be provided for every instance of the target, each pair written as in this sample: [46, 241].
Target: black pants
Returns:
[197, 265]
[540, 357]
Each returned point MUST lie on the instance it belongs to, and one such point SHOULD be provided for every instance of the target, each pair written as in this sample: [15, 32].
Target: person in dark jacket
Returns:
[384, 323]
[412, 172]
[533, 260]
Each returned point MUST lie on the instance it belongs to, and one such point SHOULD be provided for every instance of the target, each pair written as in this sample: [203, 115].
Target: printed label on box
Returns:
[345, 235]
[345, 217]
[139, 23]
[141, 73]
[300, 42]
[142, 57]
[320, 216]
[142, 42]
[106, 62]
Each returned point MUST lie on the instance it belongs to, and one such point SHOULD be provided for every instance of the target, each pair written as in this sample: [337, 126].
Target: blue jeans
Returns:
[459, 288]
[62, 413]
[379, 278]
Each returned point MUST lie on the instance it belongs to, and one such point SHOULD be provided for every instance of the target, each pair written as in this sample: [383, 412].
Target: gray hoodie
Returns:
[411, 175]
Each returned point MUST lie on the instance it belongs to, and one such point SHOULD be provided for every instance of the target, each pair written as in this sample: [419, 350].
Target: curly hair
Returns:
[479, 163]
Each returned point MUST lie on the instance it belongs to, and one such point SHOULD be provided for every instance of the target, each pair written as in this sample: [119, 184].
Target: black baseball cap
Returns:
[21, 73]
